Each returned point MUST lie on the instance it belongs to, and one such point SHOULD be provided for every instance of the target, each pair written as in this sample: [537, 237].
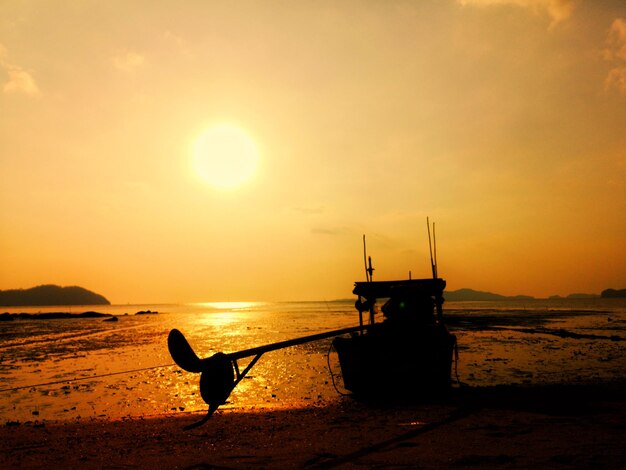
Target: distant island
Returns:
[575, 296]
[474, 295]
[471, 295]
[614, 294]
[49, 295]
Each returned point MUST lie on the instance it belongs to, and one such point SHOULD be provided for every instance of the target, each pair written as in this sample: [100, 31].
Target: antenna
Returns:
[435, 250]
[365, 259]
[369, 270]
[430, 247]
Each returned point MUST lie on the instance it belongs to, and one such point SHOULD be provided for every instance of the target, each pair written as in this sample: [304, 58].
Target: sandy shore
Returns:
[501, 427]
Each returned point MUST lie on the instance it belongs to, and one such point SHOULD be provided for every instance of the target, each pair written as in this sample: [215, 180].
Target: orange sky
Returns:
[503, 120]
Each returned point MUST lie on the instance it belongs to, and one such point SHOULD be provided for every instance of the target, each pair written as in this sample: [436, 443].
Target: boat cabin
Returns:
[413, 301]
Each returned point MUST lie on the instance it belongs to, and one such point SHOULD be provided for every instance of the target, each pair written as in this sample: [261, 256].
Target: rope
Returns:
[78, 379]
[330, 370]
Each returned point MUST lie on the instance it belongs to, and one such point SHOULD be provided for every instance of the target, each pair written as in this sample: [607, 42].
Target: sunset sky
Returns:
[502, 120]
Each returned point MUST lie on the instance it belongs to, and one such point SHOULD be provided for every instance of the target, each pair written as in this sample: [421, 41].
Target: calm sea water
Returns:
[83, 368]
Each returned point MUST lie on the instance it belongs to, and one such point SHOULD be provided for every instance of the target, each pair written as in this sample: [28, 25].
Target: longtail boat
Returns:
[410, 352]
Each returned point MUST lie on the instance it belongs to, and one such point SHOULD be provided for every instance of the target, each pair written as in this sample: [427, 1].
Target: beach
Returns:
[505, 427]
[537, 385]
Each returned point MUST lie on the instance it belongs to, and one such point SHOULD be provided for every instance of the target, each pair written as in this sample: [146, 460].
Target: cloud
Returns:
[19, 80]
[615, 52]
[557, 10]
[309, 210]
[328, 231]
[179, 43]
[616, 41]
[325, 231]
[128, 61]
[616, 79]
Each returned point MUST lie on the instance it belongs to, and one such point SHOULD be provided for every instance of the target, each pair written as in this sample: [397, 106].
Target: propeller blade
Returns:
[182, 352]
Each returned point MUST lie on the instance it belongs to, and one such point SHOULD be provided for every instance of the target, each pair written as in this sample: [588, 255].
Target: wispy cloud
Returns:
[19, 79]
[616, 41]
[616, 79]
[557, 10]
[615, 52]
[309, 210]
[128, 61]
[180, 44]
[325, 231]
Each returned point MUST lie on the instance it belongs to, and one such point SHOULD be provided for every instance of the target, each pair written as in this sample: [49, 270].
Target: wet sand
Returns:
[559, 426]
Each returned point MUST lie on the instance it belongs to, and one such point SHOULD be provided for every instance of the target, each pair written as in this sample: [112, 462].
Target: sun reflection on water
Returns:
[222, 314]
[221, 319]
[229, 305]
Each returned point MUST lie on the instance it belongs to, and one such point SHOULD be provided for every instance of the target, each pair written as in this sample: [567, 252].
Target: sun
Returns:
[224, 156]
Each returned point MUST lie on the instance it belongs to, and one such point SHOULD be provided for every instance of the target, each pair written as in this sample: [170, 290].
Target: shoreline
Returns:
[563, 426]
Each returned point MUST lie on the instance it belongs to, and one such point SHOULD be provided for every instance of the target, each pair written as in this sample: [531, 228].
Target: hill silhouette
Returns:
[48, 295]
[471, 294]
[614, 293]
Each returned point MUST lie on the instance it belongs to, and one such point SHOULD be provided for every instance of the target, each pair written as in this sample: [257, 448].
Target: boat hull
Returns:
[389, 361]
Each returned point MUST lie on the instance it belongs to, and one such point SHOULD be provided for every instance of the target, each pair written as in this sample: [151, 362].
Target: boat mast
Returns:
[367, 277]
[433, 263]
[435, 250]
[369, 271]
[360, 302]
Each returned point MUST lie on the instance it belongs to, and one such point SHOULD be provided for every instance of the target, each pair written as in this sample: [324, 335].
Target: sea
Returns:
[80, 368]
